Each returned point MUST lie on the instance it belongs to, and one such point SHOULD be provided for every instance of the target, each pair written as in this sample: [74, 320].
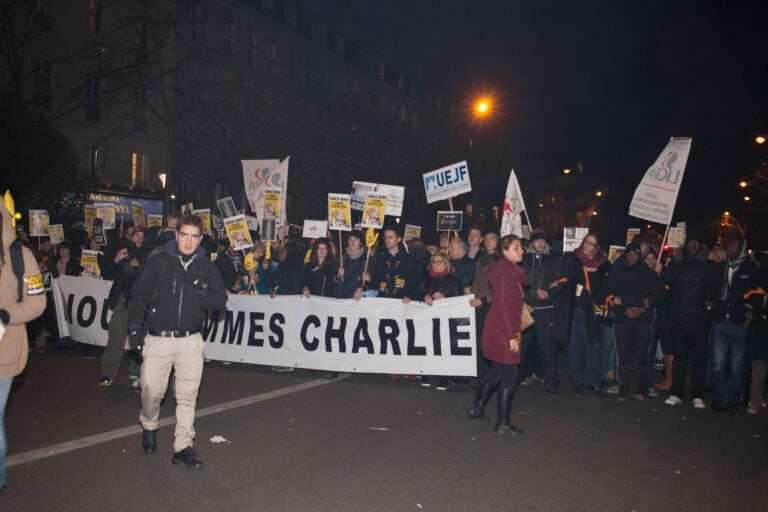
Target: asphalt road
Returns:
[297, 442]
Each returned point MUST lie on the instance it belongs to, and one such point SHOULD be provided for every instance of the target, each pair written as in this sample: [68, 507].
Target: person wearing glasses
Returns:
[440, 281]
[586, 270]
[168, 301]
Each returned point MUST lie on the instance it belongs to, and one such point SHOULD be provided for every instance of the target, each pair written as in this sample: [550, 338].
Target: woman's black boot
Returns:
[503, 425]
[476, 412]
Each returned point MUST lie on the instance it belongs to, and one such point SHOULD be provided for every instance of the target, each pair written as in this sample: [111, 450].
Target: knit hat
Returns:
[537, 234]
[633, 247]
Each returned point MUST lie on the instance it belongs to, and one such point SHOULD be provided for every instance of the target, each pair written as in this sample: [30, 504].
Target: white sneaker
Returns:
[673, 400]
[752, 409]
[698, 403]
[652, 392]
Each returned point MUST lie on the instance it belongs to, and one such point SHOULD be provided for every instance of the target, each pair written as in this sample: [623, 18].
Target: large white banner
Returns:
[514, 206]
[373, 335]
[447, 182]
[259, 175]
[656, 195]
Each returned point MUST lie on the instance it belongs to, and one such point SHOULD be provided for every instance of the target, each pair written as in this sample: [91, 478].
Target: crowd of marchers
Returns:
[629, 329]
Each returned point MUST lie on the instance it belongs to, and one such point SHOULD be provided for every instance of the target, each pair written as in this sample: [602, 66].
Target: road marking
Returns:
[85, 442]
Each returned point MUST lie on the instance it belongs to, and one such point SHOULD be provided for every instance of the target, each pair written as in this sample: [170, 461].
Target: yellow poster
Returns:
[106, 212]
[56, 232]
[138, 214]
[237, 232]
[154, 220]
[90, 263]
[631, 233]
[90, 214]
[339, 212]
[411, 232]
[374, 210]
[205, 216]
[272, 203]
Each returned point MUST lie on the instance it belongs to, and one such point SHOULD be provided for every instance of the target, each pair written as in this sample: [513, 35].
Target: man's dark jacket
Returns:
[166, 292]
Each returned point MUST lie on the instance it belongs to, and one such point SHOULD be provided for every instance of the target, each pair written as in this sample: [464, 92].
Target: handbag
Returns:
[526, 319]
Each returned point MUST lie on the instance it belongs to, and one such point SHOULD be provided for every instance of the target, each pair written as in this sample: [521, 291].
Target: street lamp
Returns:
[743, 184]
[760, 139]
[482, 107]
[566, 171]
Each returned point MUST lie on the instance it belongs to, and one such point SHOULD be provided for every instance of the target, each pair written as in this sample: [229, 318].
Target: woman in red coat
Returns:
[501, 334]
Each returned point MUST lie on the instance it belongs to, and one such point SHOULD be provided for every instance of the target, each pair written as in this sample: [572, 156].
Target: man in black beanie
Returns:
[542, 269]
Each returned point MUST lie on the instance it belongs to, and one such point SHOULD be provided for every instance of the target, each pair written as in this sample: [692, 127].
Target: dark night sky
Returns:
[605, 83]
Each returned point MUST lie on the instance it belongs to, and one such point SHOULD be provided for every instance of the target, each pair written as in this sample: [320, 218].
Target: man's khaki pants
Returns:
[185, 355]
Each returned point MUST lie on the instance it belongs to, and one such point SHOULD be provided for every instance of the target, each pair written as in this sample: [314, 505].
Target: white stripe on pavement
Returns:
[85, 442]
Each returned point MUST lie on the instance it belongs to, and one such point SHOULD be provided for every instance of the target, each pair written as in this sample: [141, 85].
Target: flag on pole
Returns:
[514, 206]
[656, 195]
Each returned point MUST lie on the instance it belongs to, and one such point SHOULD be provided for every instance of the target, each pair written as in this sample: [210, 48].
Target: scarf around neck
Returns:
[592, 264]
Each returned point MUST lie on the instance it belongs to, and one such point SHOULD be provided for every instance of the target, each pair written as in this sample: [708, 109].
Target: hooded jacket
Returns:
[739, 288]
[13, 345]
[542, 269]
[165, 292]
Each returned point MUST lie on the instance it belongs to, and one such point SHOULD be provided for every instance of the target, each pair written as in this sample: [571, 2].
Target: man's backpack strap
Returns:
[17, 264]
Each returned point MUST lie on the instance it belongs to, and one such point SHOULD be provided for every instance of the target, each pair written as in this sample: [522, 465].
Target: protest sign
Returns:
[655, 197]
[38, 222]
[205, 216]
[90, 213]
[237, 232]
[154, 220]
[374, 210]
[357, 196]
[187, 208]
[411, 231]
[226, 207]
[315, 228]
[449, 221]
[676, 237]
[98, 231]
[339, 212]
[138, 214]
[106, 212]
[447, 182]
[631, 234]
[89, 260]
[572, 238]
[614, 251]
[56, 232]
[268, 231]
[271, 203]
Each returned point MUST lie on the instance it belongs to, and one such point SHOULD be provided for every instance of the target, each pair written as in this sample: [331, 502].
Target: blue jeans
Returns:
[728, 337]
[608, 354]
[5, 390]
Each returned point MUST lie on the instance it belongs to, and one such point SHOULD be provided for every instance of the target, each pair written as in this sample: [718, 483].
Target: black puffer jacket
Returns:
[691, 282]
[165, 292]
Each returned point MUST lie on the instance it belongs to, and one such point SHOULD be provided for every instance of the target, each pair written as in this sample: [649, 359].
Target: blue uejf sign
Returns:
[447, 182]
